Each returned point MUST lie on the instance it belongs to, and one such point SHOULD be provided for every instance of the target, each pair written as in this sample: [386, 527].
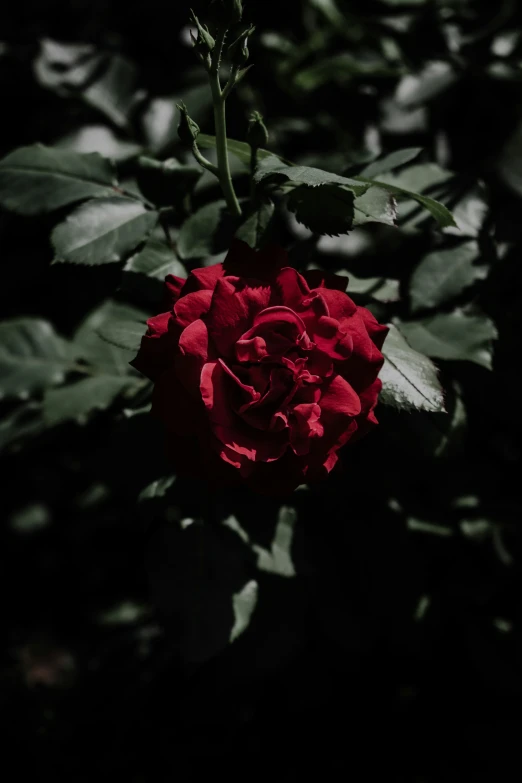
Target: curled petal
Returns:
[192, 306]
[252, 350]
[156, 349]
[304, 425]
[173, 286]
[203, 279]
[232, 312]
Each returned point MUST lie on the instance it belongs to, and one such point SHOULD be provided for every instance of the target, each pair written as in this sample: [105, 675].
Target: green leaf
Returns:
[278, 560]
[380, 289]
[435, 77]
[101, 354]
[390, 162]
[325, 209]
[426, 175]
[155, 260]
[470, 213]
[116, 92]
[125, 328]
[238, 148]
[243, 604]
[197, 234]
[77, 400]
[25, 421]
[455, 336]
[444, 274]
[409, 379]
[375, 206]
[157, 488]
[273, 169]
[32, 357]
[256, 226]
[102, 231]
[38, 179]
[166, 183]
[341, 69]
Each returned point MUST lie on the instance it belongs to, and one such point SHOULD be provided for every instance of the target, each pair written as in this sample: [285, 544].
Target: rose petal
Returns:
[192, 306]
[156, 350]
[252, 350]
[173, 287]
[304, 425]
[228, 426]
[232, 312]
[203, 279]
[289, 288]
[339, 304]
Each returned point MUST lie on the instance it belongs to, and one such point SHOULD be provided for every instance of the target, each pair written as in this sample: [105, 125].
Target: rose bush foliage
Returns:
[261, 373]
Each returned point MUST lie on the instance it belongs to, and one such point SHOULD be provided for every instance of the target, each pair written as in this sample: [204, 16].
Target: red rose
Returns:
[262, 370]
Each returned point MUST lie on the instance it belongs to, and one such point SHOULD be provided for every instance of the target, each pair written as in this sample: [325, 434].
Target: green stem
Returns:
[219, 98]
[206, 164]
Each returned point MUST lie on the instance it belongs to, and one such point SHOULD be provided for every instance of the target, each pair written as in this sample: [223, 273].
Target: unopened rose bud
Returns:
[188, 130]
[238, 51]
[257, 133]
[204, 41]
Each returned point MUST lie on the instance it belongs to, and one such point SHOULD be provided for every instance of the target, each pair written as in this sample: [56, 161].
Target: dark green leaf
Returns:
[77, 400]
[390, 162]
[102, 355]
[243, 604]
[454, 336]
[255, 227]
[32, 357]
[125, 327]
[238, 148]
[156, 260]
[409, 379]
[99, 138]
[197, 235]
[157, 488]
[39, 179]
[102, 231]
[381, 289]
[423, 176]
[278, 559]
[436, 77]
[325, 209]
[375, 206]
[341, 69]
[116, 92]
[25, 421]
[469, 213]
[167, 183]
[444, 274]
[273, 169]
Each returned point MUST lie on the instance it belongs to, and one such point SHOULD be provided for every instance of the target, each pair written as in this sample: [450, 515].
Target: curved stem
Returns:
[219, 98]
[203, 161]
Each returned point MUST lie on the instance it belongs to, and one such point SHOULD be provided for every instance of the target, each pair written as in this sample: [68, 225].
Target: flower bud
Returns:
[238, 51]
[204, 42]
[257, 133]
[188, 130]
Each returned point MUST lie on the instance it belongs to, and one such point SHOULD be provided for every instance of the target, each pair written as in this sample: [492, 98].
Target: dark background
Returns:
[395, 652]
